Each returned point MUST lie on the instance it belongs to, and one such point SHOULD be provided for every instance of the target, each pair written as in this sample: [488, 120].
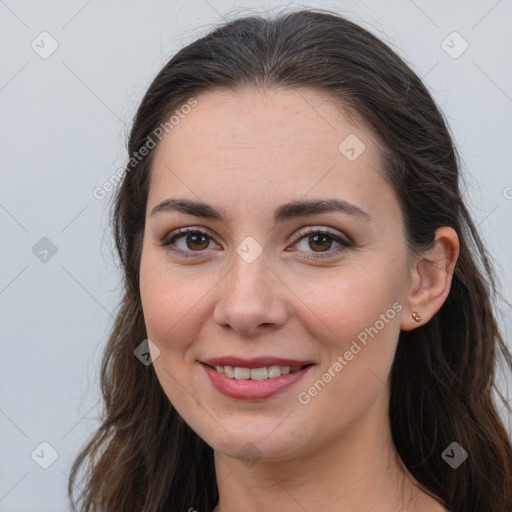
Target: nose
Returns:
[251, 298]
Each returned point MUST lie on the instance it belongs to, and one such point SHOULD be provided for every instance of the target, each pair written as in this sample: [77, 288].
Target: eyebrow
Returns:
[283, 213]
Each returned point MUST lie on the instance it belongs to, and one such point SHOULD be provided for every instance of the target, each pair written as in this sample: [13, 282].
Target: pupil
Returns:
[321, 237]
[194, 238]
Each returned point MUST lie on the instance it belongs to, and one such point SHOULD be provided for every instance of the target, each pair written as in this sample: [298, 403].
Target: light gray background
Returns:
[64, 121]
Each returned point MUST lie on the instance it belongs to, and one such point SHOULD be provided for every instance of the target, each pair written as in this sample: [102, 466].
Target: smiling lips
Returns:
[253, 379]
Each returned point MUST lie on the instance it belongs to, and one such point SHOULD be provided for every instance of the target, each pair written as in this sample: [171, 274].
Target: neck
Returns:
[360, 471]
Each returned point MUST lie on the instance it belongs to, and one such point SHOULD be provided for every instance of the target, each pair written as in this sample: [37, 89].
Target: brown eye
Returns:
[194, 241]
[320, 243]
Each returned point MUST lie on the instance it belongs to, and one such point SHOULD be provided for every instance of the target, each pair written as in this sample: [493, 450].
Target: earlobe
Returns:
[431, 282]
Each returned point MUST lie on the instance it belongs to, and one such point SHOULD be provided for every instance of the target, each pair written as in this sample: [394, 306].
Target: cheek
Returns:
[357, 320]
[345, 301]
[169, 300]
[170, 304]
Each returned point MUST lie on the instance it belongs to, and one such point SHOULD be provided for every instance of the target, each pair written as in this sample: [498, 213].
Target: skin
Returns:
[247, 152]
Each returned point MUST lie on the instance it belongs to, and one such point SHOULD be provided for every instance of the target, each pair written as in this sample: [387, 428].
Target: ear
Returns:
[431, 279]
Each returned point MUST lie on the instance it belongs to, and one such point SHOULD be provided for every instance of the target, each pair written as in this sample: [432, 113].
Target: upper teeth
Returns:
[267, 372]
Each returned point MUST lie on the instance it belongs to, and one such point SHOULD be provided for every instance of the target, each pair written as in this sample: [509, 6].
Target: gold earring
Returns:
[416, 317]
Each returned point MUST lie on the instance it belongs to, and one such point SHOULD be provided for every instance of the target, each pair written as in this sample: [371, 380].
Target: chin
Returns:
[251, 443]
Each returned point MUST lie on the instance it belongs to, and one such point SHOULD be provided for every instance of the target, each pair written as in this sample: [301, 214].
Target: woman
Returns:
[303, 275]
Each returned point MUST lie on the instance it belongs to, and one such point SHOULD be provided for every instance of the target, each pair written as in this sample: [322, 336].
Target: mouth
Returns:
[255, 379]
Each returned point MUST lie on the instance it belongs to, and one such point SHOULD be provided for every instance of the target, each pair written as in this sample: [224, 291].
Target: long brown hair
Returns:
[144, 457]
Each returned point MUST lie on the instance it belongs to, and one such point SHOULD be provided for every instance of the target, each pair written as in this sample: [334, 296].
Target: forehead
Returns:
[298, 119]
[256, 146]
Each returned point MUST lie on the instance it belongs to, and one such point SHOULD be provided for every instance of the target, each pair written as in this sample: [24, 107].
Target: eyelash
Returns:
[180, 232]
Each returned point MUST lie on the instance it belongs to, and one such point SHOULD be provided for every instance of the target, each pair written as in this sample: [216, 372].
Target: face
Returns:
[309, 295]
